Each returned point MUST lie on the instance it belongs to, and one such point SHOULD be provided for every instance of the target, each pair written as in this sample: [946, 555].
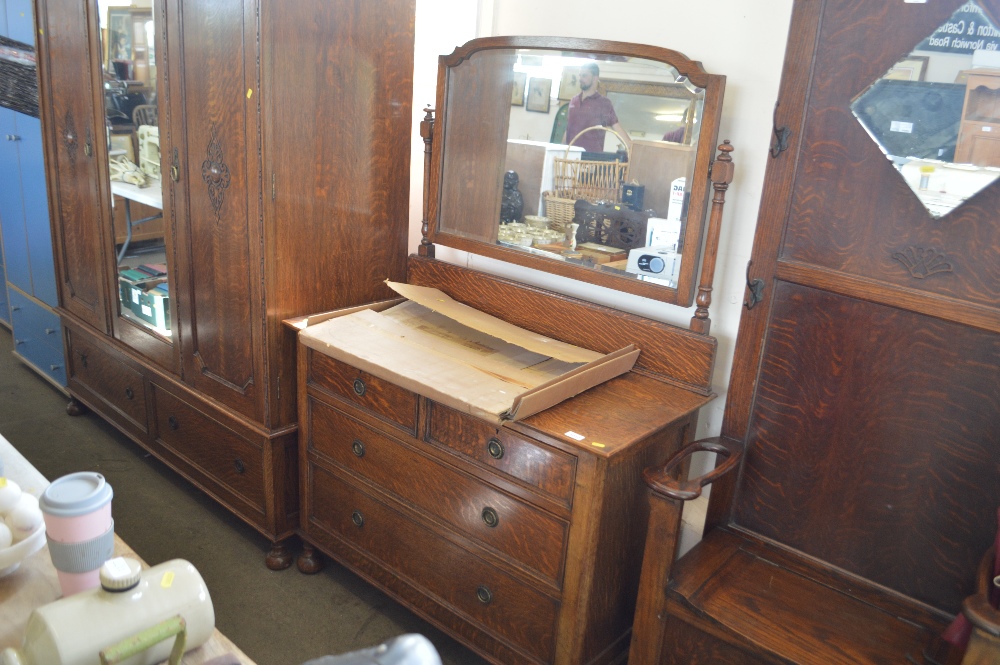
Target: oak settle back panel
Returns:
[867, 388]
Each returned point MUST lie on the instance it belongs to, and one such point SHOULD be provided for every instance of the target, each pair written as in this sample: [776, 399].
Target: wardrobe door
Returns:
[213, 44]
[73, 125]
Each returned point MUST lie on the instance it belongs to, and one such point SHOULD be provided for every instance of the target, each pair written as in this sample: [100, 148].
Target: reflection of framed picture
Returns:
[912, 68]
[119, 34]
[517, 93]
[539, 92]
[569, 86]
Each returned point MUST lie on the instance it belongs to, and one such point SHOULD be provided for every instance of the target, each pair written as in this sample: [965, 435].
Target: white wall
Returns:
[744, 41]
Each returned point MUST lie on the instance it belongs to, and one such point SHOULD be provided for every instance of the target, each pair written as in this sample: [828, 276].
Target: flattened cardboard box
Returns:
[459, 356]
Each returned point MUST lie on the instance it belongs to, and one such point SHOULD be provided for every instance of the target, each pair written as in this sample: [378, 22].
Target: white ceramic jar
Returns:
[75, 629]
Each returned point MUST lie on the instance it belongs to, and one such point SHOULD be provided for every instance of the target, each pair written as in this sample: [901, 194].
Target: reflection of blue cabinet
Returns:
[28, 294]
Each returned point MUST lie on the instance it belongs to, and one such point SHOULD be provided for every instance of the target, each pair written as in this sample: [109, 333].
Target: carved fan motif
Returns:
[215, 173]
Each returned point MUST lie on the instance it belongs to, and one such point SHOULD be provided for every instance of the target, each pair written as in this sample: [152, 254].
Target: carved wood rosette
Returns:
[215, 173]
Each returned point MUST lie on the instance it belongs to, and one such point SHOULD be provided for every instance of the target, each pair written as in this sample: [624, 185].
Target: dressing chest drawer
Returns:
[518, 540]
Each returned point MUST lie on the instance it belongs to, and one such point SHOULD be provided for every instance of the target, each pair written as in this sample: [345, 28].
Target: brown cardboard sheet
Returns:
[461, 357]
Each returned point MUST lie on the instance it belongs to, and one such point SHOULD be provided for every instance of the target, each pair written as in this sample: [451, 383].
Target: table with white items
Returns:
[35, 583]
[151, 195]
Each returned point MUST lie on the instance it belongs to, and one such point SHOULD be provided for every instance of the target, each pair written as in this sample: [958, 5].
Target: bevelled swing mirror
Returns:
[583, 158]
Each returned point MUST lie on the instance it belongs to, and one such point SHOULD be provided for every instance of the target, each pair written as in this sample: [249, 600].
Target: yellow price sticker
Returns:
[597, 445]
[168, 579]
[249, 93]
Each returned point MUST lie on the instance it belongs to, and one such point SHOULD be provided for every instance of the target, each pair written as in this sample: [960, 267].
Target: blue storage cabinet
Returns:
[29, 289]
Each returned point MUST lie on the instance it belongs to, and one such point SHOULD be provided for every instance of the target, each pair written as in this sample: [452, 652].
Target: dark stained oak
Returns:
[507, 607]
[668, 353]
[569, 516]
[385, 400]
[464, 182]
[516, 529]
[544, 468]
[289, 195]
[864, 396]
[72, 115]
[876, 438]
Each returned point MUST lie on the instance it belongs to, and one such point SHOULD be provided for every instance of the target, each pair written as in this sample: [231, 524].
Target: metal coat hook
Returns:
[756, 288]
[781, 134]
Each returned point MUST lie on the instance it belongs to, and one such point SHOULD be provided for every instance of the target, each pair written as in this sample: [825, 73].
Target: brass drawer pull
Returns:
[495, 448]
[358, 519]
[129, 394]
[172, 422]
[484, 595]
[358, 448]
[239, 466]
[359, 387]
[490, 517]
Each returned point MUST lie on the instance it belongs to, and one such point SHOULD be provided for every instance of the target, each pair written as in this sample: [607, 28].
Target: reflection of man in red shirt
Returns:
[591, 109]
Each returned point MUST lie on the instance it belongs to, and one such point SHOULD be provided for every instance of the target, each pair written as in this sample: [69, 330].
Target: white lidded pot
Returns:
[75, 629]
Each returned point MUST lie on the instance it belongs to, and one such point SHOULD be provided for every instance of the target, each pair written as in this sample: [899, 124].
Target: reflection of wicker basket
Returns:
[559, 210]
[587, 179]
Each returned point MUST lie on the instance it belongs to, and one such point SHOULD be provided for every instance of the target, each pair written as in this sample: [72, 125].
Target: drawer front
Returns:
[513, 528]
[123, 388]
[382, 398]
[34, 320]
[543, 467]
[42, 357]
[227, 458]
[457, 578]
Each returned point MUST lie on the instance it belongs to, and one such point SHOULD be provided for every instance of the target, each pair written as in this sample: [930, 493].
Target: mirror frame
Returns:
[695, 225]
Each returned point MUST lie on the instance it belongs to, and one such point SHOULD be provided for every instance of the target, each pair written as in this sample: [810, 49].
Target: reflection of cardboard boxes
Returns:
[154, 308]
[459, 356]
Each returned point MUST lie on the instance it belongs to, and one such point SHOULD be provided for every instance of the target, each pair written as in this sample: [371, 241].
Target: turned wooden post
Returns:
[426, 133]
[722, 175]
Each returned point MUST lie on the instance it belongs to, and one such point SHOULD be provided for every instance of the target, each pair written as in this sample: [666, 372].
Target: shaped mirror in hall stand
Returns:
[936, 113]
[612, 145]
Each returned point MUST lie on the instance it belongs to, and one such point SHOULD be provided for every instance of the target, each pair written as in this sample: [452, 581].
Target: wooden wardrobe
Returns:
[284, 133]
[861, 430]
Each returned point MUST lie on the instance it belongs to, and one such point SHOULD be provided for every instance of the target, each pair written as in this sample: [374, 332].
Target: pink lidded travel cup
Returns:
[79, 528]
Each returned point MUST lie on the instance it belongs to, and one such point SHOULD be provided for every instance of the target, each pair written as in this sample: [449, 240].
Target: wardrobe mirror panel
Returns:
[129, 62]
[586, 159]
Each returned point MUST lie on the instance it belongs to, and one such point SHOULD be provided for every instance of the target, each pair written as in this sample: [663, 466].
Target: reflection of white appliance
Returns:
[676, 206]
[661, 263]
[662, 232]
[149, 150]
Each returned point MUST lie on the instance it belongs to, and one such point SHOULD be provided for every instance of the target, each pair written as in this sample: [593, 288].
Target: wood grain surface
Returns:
[668, 353]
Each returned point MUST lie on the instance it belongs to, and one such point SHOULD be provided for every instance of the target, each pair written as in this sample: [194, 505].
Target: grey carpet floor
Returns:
[276, 618]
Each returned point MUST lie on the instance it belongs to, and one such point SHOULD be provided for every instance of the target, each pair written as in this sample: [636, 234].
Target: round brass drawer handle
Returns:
[358, 519]
[484, 595]
[490, 517]
[239, 466]
[358, 448]
[495, 448]
[359, 387]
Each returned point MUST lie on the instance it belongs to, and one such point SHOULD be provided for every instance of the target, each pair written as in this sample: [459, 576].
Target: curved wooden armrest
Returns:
[977, 606]
[660, 479]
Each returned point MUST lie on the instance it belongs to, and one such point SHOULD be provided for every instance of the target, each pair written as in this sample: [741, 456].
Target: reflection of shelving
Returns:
[979, 133]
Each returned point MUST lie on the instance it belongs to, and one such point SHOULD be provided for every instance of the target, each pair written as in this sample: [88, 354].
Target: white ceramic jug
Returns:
[74, 630]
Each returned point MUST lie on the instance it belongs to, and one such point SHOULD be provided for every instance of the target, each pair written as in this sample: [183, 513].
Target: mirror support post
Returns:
[721, 176]
[426, 133]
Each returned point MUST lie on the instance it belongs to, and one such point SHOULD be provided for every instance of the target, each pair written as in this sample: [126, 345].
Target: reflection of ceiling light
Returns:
[670, 118]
